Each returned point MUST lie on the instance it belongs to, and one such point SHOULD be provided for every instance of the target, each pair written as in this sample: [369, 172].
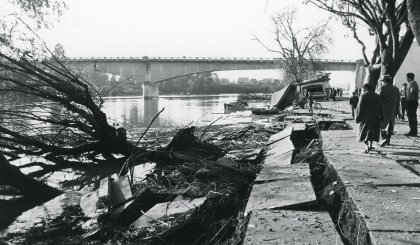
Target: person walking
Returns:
[412, 104]
[403, 99]
[368, 115]
[389, 98]
[354, 100]
[310, 102]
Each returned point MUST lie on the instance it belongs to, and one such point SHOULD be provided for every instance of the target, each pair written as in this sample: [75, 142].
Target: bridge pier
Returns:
[150, 90]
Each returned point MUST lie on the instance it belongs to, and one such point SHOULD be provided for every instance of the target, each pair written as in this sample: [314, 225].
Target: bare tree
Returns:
[298, 47]
[413, 7]
[387, 22]
[64, 118]
[48, 110]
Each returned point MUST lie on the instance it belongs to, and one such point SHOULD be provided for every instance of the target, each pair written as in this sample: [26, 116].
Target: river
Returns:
[180, 110]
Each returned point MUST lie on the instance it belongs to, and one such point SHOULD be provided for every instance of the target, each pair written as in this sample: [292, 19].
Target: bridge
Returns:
[152, 70]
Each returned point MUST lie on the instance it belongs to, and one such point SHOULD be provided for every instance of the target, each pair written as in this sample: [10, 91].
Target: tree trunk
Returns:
[374, 72]
[413, 7]
[28, 187]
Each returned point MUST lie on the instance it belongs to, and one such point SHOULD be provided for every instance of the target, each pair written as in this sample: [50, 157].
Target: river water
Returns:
[180, 110]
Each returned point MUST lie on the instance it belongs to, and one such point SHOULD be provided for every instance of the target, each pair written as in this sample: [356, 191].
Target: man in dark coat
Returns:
[354, 100]
[412, 104]
[389, 98]
[368, 115]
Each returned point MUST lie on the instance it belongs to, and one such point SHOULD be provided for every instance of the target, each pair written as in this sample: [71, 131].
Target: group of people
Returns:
[376, 112]
[333, 93]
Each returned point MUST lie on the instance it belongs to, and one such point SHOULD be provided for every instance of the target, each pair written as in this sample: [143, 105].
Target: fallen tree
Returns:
[63, 117]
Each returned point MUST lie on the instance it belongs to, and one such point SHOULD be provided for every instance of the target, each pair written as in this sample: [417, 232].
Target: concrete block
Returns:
[293, 191]
[273, 172]
[121, 191]
[281, 135]
[388, 208]
[357, 168]
[88, 203]
[279, 160]
[290, 227]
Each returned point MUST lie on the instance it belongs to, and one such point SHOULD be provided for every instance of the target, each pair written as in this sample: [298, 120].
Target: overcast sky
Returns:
[181, 28]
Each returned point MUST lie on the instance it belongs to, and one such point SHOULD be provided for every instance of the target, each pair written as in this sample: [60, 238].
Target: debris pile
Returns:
[193, 196]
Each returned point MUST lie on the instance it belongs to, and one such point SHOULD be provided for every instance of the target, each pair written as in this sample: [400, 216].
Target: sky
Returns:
[176, 28]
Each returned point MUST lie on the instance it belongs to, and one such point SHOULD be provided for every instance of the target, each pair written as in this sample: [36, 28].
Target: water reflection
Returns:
[151, 109]
[179, 110]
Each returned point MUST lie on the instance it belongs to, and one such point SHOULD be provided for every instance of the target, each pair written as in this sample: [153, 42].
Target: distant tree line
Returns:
[208, 83]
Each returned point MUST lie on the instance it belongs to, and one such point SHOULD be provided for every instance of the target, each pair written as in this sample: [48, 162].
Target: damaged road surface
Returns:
[283, 208]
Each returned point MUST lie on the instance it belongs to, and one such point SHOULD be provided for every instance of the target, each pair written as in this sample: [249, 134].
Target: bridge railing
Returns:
[191, 59]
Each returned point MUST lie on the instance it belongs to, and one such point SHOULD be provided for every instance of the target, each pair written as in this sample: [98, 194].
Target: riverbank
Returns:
[295, 177]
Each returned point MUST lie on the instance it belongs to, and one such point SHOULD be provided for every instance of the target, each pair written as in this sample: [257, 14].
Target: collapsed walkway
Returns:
[368, 198]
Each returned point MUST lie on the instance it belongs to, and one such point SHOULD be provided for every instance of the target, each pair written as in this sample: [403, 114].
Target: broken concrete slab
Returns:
[120, 190]
[388, 208]
[167, 209]
[111, 193]
[280, 152]
[281, 135]
[143, 200]
[104, 190]
[294, 191]
[290, 227]
[281, 146]
[88, 203]
[357, 168]
[279, 160]
[299, 126]
[274, 172]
